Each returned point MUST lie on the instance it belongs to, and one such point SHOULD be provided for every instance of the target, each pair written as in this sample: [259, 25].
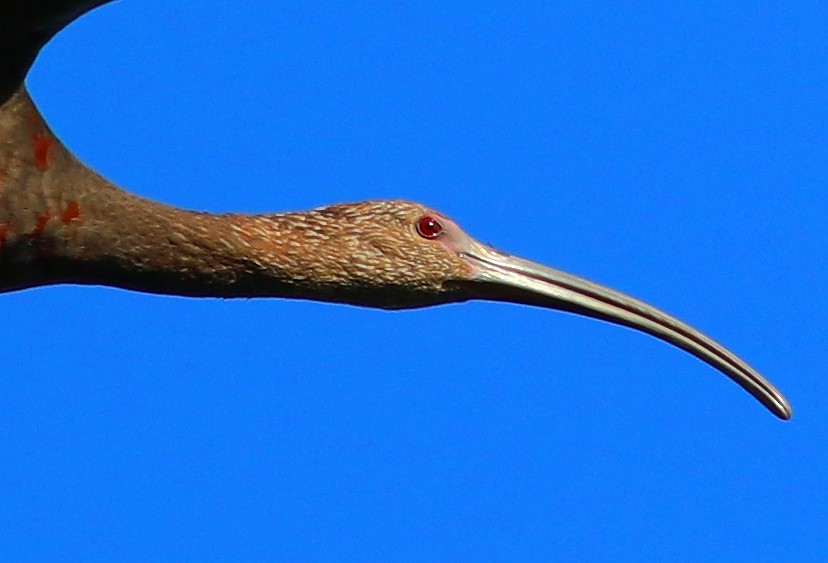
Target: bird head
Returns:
[397, 254]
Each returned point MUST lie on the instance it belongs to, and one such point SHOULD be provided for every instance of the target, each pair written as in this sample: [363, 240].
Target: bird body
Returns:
[60, 222]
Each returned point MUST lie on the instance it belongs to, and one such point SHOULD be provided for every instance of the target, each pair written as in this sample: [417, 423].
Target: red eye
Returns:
[429, 227]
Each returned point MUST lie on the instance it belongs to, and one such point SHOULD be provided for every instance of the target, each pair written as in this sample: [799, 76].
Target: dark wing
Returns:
[25, 27]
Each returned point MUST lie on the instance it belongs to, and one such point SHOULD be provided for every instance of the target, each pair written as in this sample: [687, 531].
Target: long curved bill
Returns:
[503, 277]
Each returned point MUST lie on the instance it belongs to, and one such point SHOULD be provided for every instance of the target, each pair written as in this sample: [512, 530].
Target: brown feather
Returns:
[62, 223]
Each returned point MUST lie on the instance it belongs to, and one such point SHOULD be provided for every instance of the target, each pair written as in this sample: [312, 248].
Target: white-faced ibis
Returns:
[60, 222]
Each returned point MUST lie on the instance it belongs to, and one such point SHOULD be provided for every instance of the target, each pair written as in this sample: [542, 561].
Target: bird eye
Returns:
[429, 227]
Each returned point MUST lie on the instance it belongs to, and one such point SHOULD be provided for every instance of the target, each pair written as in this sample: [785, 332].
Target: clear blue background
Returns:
[676, 152]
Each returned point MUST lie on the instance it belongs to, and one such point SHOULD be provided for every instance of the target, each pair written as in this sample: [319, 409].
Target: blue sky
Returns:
[671, 151]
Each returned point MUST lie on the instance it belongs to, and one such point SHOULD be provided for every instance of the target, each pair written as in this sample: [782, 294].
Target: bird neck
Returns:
[60, 222]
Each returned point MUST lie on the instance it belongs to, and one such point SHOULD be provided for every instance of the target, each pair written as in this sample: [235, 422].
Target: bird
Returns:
[62, 223]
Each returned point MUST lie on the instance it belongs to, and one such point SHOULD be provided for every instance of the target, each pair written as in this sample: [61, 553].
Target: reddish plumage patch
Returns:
[71, 213]
[41, 144]
[40, 224]
[4, 229]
